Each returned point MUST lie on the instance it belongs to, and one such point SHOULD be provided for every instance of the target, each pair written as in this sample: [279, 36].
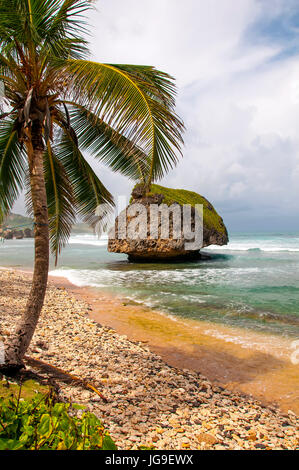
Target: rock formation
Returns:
[153, 246]
[9, 234]
[28, 233]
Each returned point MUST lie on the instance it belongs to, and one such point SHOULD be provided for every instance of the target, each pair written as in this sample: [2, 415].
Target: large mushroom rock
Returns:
[152, 246]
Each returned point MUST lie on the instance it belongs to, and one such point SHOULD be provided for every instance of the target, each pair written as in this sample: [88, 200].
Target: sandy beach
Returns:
[170, 384]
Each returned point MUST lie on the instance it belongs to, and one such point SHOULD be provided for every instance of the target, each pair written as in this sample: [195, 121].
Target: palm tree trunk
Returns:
[15, 351]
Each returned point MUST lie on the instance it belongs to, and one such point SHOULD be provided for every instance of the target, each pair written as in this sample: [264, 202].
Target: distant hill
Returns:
[82, 228]
[14, 220]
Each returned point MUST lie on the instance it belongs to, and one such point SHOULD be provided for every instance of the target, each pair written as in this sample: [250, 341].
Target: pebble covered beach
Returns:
[149, 403]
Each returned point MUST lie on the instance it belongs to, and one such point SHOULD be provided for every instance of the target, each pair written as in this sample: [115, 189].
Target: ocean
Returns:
[252, 283]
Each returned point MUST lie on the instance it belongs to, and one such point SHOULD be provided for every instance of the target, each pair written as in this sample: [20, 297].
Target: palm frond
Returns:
[162, 84]
[10, 72]
[107, 145]
[132, 105]
[64, 48]
[61, 201]
[68, 19]
[88, 190]
[44, 25]
[63, 36]
[13, 165]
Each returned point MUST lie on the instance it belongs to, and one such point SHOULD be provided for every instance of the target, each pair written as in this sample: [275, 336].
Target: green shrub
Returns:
[41, 424]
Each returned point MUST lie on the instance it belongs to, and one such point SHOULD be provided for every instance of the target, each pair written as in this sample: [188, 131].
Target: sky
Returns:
[236, 64]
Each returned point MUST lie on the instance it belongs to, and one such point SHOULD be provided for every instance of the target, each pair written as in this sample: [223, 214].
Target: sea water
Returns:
[252, 283]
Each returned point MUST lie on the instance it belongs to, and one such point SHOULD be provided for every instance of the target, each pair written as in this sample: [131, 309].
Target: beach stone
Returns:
[206, 438]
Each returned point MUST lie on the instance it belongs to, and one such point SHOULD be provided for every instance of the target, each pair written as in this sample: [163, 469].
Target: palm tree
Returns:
[57, 104]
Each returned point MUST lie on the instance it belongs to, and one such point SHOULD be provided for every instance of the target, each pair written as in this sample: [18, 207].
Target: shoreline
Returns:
[253, 363]
[148, 401]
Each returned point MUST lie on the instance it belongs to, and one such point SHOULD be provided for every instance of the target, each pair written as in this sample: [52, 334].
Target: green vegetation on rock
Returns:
[212, 219]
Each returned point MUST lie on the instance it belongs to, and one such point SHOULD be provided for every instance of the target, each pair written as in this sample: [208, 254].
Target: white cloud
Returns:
[191, 40]
[247, 139]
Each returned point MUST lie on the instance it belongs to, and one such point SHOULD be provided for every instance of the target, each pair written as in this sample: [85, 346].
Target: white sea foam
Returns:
[275, 245]
[151, 276]
[79, 277]
[277, 346]
[88, 239]
[271, 245]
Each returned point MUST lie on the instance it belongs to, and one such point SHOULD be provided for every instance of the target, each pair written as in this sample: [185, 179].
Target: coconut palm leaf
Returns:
[67, 19]
[10, 74]
[61, 201]
[107, 145]
[89, 191]
[12, 166]
[53, 26]
[163, 87]
[129, 103]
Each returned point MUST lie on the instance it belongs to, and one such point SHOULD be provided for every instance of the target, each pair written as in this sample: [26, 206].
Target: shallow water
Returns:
[253, 283]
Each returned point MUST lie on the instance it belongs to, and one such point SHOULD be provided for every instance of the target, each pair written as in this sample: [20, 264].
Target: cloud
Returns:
[191, 40]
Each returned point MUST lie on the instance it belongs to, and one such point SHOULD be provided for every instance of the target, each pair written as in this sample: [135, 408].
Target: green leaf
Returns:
[45, 427]
[78, 407]
[106, 144]
[61, 201]
[10, 444]
[12, 166]
[108, 443]
[51, 427]
[44, 23]
[89, 191]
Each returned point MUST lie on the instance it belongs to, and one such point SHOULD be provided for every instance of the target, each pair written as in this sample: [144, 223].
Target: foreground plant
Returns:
[42, 424]
[58, 104]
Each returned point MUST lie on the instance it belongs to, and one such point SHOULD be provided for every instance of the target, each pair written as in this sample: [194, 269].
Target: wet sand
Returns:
[240, 360]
